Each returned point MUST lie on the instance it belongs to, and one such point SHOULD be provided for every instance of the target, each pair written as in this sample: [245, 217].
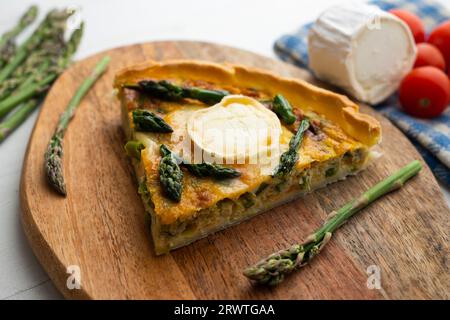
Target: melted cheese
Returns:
[239, 130]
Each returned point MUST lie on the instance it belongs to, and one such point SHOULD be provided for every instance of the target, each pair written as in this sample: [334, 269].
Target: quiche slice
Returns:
[215, 144]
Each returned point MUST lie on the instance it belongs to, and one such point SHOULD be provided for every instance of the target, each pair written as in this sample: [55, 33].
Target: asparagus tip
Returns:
[53, 165]
[29, 16]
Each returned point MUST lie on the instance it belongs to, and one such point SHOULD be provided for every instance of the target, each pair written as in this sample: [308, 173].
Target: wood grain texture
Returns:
[100, 225]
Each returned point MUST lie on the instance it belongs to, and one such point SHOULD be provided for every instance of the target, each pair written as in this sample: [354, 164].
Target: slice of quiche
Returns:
[213, 145]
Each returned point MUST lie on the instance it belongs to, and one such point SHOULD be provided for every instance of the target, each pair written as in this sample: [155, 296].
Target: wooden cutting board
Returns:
[100, 226]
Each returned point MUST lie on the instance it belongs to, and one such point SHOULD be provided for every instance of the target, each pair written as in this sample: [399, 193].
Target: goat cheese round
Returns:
[362, 49]
[238, 129]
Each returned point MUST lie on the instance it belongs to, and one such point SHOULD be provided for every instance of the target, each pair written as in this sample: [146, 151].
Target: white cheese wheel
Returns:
[362, 49]
[239, 129]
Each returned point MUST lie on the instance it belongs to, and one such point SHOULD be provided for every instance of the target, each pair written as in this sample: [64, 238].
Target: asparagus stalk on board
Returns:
[273, 269]
[38, 82]
[7, 39]
[54, 153]
[168, 91]
[51, 25]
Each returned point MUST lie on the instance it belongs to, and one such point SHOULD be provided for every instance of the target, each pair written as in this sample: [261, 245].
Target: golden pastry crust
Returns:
[338, 108]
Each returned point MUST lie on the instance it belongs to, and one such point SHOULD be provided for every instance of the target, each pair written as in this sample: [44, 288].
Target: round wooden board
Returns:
[100, 226]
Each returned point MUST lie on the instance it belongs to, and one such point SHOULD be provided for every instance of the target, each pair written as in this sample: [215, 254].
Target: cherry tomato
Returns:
[425, 92]
[440, 37]
[429, 55]
[414, 23]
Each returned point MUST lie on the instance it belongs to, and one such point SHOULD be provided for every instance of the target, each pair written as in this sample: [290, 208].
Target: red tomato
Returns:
[425, 92]
[414, 23]
[440, 37]
[429, 55]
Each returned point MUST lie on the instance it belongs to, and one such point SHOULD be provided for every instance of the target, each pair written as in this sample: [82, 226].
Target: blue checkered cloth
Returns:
[431, 137]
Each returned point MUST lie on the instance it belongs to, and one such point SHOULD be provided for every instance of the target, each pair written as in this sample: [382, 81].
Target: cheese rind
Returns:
[362, 49]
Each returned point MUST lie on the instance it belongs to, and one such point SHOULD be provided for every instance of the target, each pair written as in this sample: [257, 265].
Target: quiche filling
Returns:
[211, 151]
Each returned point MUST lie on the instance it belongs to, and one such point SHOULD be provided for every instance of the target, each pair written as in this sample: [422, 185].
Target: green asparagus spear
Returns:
[53, 53]
[166, 151]
[216, 171]
[161, 89]
[7, 52]
[170, 175]
[204, 169]
[149, 122]
[290, 157]
[26, 93]
[56, 58]
[37, 81]
[273, 269]
[27, 19]
[53, 155]
[19, 82]
[133, 149]
[17, 118]
[54, 22]
[72, 45]
[168, 91]
[39, 64]
[283, 109]
[205, 96]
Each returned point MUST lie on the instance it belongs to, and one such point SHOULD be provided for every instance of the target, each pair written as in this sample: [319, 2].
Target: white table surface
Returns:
[248, 24]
